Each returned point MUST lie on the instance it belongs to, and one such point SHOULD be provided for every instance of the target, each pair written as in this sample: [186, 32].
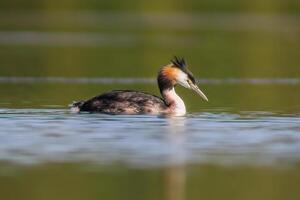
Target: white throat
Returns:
[176, 104]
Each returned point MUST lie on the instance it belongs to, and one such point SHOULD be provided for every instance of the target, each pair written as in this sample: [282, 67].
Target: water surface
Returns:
[32, 136]
[245, 140]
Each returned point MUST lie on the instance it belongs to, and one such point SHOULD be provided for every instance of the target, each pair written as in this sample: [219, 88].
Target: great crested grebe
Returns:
[135, 102]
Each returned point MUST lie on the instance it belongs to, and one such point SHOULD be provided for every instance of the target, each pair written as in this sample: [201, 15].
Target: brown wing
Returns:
[124, 101]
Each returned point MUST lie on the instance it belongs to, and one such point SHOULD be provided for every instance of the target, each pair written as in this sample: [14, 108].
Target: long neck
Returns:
[174, 103]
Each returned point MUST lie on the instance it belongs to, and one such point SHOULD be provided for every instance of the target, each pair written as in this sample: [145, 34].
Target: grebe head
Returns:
[177, 73]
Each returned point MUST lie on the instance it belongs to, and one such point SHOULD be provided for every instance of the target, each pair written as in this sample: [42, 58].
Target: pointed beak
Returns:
[198, 91]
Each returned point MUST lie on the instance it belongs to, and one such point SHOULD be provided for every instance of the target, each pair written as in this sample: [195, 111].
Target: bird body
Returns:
[135, 102]
[124, 101]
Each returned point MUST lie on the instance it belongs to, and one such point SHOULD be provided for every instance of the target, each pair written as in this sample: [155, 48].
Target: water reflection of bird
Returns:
[135, 102]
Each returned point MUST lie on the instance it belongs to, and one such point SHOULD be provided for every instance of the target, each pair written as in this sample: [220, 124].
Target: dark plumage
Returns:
[123, 101]
[181, 64]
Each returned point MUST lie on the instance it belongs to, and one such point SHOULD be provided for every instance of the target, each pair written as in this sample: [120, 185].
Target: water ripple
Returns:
[30, 136]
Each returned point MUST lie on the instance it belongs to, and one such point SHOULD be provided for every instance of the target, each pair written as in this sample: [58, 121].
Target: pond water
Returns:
[33, 136]
[232, 145]
[243, 144]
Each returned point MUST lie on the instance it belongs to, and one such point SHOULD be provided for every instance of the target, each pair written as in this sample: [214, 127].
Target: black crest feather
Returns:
[179, 62]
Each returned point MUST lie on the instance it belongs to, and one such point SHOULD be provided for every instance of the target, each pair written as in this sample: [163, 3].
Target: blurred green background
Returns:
[77, 181]
[219, 38]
